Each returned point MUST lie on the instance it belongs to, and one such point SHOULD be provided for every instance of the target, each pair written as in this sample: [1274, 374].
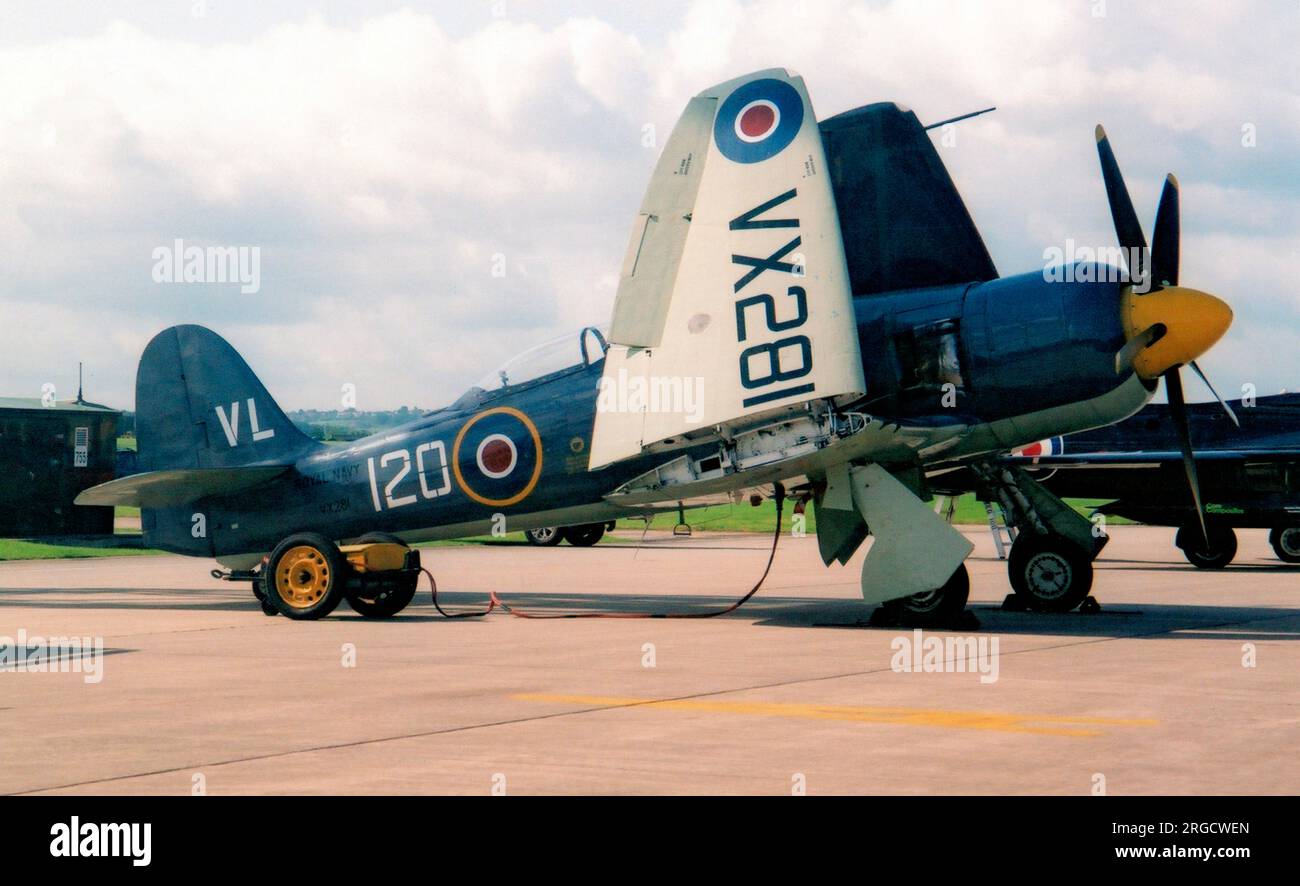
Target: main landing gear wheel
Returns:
[386, 602]
[939, 608]
[304, 576]
[546, 537]
[585, 536]
[1218, 554]
[1049, 573]
[1286, 543]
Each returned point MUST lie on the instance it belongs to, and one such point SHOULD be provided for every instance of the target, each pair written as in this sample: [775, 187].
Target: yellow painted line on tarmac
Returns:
[1035, 724]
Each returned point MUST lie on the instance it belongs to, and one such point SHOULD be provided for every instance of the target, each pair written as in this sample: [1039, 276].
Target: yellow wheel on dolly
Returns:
[305, 575]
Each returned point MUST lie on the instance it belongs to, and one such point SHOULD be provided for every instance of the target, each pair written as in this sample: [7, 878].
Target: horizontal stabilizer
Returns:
[161, 489]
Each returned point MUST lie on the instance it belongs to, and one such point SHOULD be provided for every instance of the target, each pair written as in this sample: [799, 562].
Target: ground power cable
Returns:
[495, 601]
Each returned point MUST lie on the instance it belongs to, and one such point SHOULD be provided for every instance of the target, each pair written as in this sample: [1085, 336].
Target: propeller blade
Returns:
[1224, 403]
[1136, 345]
[1178, 411]
[1165, 239]
[1127, 226]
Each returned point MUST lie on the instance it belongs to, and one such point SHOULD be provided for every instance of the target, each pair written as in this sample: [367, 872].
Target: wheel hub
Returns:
[1048, 575]
[303, 577]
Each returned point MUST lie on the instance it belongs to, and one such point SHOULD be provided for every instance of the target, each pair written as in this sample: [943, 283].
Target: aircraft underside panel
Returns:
[782, 451]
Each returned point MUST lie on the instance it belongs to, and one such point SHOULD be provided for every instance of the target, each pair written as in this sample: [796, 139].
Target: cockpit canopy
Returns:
[550, 358]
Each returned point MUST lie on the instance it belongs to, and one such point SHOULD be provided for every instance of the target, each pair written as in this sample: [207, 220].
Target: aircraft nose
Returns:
[1193, 321]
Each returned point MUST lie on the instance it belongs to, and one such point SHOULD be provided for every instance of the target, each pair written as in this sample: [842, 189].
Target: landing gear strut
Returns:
[1050, 566]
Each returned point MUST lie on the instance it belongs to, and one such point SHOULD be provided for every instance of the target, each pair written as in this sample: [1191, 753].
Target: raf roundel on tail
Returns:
[758, 121]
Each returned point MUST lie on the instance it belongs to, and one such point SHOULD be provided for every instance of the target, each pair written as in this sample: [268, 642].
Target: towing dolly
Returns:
[308, 575]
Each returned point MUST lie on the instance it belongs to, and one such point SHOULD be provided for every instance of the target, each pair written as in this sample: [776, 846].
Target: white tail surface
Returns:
[734, 302]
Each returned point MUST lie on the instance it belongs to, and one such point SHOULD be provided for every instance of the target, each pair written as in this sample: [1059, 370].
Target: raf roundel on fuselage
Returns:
[758, 121]
[497, 457]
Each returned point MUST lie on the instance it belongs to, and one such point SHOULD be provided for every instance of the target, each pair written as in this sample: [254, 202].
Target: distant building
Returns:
[48, 454]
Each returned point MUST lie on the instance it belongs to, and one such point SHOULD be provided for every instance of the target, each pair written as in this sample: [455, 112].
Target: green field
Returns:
[22, 549]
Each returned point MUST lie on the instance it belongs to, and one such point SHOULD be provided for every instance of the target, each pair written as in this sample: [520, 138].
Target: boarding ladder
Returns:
[1003, 535]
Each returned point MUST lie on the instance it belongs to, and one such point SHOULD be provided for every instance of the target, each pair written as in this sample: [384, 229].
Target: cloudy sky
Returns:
[384, 157]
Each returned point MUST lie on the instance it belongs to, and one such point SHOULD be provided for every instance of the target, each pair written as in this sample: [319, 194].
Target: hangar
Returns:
[48, 454]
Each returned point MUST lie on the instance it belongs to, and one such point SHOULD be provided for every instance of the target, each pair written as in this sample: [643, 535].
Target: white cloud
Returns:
[382, 163]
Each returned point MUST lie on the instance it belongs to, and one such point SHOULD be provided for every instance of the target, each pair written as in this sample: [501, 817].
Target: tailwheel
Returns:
[939, 608]
[390, 597]
[1217, 554]
[545, 537]
[1049, 573]
[1286, 543]
[584, 536]
[305, 576]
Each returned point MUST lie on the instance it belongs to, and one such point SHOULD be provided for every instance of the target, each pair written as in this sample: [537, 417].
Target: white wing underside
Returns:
[734, 287]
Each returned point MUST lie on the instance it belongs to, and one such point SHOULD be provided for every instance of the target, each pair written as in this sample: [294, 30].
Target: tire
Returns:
[1049, 573]
[267, 607]
[388, 602]
[545, 537]
[305, 576]
[1286, 543]
[932, 609]
[383, 538]
[1221, 550]
[584, 536]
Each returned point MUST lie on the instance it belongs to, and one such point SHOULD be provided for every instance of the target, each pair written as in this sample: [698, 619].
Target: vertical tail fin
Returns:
[198, 405]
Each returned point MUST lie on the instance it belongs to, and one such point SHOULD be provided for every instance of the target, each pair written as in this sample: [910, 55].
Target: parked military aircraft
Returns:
[825, 286]
[1249, 473]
